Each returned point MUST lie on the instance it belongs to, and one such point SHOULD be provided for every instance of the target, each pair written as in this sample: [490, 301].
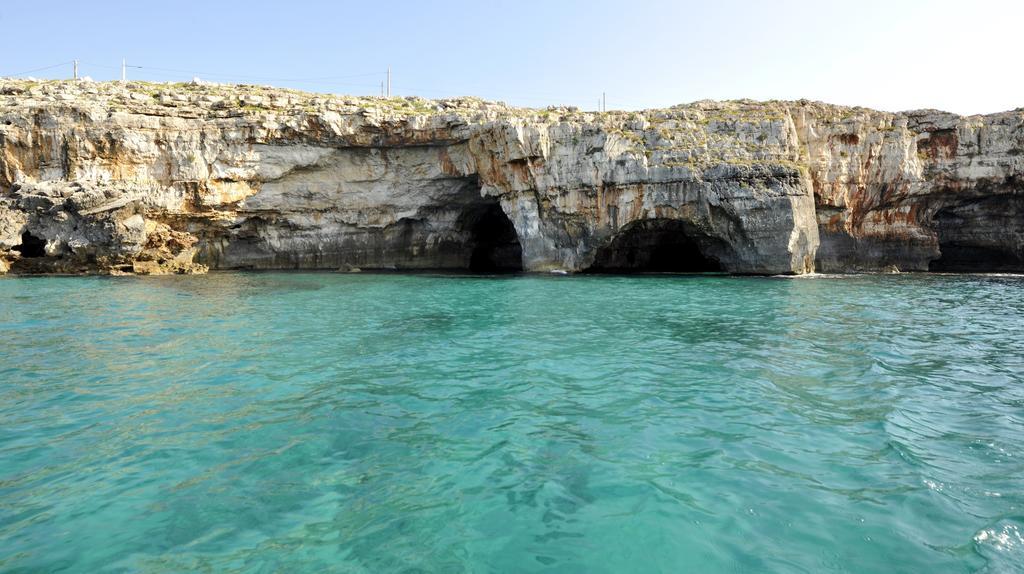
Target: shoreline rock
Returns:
[144, 178]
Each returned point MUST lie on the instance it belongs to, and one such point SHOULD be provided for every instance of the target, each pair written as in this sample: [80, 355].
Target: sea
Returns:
[342, 422]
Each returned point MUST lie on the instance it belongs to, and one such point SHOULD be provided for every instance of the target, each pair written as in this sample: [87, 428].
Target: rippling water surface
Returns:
[384, 423]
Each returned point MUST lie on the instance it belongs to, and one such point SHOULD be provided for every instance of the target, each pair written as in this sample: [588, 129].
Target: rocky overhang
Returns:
[148, 178]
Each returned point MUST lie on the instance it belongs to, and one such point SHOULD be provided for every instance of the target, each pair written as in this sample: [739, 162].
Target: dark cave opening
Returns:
[957, 258]
[654, 246]
[31, 246]
[493, 242]
[979, 236]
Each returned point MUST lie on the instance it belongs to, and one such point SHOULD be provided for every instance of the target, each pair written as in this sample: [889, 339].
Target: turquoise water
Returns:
[403, 423]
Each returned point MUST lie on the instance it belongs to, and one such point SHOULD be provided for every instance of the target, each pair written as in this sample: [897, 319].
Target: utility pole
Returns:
[389, 81]
[124, 70]
[76, 69]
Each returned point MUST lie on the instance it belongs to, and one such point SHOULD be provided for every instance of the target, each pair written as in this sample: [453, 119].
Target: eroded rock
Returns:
[161, 178]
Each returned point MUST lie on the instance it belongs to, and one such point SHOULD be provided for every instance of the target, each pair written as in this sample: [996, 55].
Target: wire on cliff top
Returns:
[68, 63]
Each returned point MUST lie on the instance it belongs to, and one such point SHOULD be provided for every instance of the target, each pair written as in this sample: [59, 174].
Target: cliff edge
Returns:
[180, 178]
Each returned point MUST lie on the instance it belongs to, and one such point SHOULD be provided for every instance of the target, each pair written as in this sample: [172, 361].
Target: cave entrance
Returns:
[655, 246]
[492, 240]
[31, 246]
[979, 236]
[959, 258]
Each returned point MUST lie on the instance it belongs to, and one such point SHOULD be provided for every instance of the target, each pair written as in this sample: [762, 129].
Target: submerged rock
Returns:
[178, 178]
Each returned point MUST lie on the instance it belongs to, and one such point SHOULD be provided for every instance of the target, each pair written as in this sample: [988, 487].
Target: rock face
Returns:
[161, 178]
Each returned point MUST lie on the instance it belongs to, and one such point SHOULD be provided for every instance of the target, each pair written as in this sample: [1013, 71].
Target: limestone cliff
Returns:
[159, 178]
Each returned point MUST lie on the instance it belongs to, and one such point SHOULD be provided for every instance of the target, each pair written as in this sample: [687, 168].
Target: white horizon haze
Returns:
[887, 55]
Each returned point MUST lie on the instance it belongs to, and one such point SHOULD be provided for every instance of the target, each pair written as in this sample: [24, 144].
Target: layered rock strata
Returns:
[162, 178]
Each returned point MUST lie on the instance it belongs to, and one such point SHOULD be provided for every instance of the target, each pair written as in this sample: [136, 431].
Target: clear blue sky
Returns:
[963, 56]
